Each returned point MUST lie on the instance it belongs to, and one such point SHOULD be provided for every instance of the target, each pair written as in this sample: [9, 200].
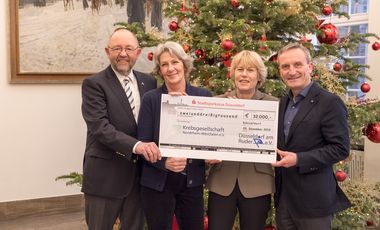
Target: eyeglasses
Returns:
[127, 50]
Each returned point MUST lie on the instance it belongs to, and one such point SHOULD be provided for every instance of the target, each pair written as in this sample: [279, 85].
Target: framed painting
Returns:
[62, 41]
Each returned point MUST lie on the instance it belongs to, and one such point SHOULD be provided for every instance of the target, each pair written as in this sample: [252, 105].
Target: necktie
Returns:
[128, 92]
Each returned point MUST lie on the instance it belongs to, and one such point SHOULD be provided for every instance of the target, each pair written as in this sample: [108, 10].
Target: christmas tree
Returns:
[213, 31]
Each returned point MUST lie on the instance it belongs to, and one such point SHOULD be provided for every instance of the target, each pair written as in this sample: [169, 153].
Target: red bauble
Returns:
[376, 46]
[150, 56]
[198, 52]
[225, 56]
[235, 3]
[372, 131]
[173, 26]
[340, 175]
[365, 87]
[327, 10]
[370, 223]
[269, 227]
[227, 45]
[337, 66]
[205, 222]
[328, 34]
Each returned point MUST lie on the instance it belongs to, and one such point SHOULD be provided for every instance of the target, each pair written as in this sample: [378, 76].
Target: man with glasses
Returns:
[110, 106]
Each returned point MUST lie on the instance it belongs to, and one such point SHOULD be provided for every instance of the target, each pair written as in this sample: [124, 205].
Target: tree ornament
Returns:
[376, 46]
[328, 33]
[198, 52]
[235, 3]
[372, 132]
[227, 63]
[225, 56]
[150, 56]
[262, 49]
[370, 223]
[173, 26]
[186, 47]
[205, 222]
[263, 38]
[269, 227]
[340, 175]
[337, 66]
[227, 45]
[365, 87]
[327, 10]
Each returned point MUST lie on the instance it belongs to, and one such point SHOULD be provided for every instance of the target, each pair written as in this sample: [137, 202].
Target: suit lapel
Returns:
[140, 82]
[119, 91]
[306, 106]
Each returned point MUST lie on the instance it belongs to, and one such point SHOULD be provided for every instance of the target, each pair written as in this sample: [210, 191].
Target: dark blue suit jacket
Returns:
[319, 135]
[108, 169]
[154, 175]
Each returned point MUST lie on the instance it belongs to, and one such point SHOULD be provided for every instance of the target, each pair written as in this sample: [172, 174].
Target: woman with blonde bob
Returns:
[171, 185]
[241, 186]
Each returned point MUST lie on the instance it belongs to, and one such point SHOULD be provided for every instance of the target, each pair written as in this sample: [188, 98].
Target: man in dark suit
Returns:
[110, 106]
[313, 135]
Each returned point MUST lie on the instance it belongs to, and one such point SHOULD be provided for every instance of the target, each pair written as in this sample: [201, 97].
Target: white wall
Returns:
[372, 152]
[42, 133]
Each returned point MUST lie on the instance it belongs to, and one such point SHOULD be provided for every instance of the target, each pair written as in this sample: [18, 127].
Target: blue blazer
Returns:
[154, 175]
[320, 137]
[108, 168]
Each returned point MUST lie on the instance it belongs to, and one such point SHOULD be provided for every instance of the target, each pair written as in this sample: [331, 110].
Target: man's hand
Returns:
[288, 159]
[149, 150]
[175, 164]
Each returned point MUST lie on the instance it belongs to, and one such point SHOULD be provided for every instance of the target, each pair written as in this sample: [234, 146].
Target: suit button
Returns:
[190, 161]
[190, 181]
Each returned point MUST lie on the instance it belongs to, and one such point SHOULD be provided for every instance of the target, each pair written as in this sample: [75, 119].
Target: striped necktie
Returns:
[128, 92]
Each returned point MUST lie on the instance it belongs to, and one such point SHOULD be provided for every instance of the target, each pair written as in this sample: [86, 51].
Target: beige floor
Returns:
[69, 221]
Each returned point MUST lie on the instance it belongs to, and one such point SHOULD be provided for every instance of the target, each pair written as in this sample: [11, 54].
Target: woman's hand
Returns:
[175, 164]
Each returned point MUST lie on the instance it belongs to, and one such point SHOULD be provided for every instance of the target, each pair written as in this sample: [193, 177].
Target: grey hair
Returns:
[250, 59]
[173, 48]
[295, 45]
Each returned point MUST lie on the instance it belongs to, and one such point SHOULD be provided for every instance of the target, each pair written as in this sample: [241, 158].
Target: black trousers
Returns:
[102, 212]
[176, 198]
[222, 211]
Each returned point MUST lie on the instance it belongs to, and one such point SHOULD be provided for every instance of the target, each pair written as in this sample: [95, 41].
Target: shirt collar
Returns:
[303, 92]
[122, 77]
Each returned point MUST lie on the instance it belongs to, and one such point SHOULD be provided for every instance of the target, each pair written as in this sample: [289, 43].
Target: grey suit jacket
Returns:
[108, 166]
[254, 179]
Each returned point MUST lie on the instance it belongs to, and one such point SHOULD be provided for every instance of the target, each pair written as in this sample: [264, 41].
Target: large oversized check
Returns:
[218, 128]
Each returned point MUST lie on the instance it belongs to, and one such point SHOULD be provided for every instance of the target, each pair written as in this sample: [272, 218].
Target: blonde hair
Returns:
[249, 58]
